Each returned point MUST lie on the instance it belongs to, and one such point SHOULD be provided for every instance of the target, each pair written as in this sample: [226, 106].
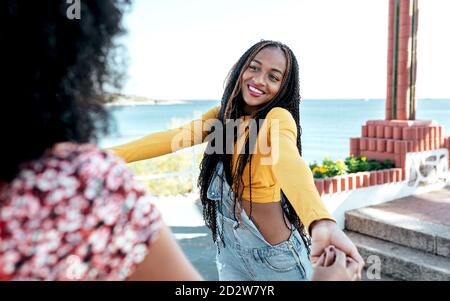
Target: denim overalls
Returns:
[247, 255]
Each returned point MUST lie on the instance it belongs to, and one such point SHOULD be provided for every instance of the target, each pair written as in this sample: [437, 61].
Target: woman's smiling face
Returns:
[262, 80]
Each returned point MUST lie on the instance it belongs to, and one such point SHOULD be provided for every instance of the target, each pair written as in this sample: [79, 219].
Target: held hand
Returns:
[334, 265]
[325, 233]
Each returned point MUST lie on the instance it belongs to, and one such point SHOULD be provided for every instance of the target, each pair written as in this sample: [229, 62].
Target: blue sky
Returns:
[183, 49]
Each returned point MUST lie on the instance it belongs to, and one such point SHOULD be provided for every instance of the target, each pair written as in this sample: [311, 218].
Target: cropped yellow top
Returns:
[276, 163]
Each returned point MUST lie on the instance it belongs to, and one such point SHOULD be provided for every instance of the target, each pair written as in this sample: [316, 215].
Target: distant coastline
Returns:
[131, 100]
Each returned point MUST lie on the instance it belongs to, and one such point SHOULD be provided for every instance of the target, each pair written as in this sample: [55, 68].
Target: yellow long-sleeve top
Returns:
[276, 163]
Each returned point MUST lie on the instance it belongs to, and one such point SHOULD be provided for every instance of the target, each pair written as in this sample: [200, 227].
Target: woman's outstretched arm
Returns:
[162, 143]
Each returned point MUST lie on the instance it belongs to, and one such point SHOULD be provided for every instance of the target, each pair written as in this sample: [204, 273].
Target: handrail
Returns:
[413, 63]
[395, 58]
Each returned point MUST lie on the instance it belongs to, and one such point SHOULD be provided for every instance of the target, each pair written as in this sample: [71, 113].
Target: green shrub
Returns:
[351, 164]
[328, 169]
[387, 164]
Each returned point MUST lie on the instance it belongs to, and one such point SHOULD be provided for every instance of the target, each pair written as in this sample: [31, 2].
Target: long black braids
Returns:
[231, 110]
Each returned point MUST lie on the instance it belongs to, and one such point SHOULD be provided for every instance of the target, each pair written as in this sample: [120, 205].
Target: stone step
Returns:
[400, 229]
[400, 262]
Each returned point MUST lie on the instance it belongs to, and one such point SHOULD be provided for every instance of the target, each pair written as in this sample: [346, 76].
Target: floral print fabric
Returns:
[75, 214]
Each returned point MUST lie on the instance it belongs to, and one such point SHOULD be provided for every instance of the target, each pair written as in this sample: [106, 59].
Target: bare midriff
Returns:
[268, 218]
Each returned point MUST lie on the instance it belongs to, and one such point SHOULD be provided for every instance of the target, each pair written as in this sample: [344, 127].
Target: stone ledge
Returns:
[401, 262]
[400, 229]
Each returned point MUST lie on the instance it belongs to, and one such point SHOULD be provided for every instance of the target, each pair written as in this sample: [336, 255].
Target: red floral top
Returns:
[74, 214]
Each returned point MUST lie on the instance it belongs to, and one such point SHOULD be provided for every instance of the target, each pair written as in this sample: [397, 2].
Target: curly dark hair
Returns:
[55, 71]
[232, 109]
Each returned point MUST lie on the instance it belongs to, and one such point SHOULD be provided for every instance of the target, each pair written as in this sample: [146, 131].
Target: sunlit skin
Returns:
[262, 80]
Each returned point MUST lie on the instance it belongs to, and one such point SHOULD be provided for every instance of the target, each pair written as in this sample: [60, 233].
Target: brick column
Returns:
[402, 60]
[400, 132]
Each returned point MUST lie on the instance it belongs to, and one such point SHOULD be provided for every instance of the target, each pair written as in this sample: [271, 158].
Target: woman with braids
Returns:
[260, 202]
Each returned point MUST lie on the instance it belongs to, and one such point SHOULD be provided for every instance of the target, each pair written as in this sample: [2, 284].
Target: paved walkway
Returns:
[198, 246]
[431, 207]
[184, 216]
